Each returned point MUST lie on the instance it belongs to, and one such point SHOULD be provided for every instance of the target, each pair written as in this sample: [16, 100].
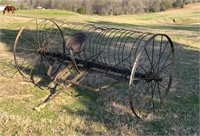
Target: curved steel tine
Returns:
[108, 40]
[124, 51]
[117, 41]
[120, 49]
[116, 31]
[96, 43]
[138, 39]
[91, 43]
[100, 44]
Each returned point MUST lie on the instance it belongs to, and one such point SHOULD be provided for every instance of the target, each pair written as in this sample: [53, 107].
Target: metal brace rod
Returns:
[53, 96]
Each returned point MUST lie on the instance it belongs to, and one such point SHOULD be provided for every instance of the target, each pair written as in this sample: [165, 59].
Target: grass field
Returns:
[106, 112]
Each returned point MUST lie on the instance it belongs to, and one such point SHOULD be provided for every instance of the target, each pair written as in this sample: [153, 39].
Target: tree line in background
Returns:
[102, 7]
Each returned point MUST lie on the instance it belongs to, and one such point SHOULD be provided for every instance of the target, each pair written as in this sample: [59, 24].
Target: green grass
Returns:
[106, 112]
[46, 12]
[152, 16]
[43, 13]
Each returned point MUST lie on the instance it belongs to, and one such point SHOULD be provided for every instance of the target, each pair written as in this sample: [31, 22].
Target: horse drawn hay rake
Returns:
[66, 53]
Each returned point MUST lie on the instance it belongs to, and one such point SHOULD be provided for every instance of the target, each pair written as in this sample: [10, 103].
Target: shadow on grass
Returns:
[109, 107]
[8, 37]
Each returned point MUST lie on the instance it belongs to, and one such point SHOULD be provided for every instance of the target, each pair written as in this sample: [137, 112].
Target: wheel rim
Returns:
[156, 61]
[36, 38]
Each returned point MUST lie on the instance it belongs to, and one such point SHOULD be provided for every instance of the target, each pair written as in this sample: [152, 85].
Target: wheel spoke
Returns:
[34, 62]
[141, 86]
[143, 69]
[42, 67]
[25, 49]
[149, 88]
[159, 91]
[160, 55]
[162, 86]
[152, 57]
[164, 77]
[163, 68]
[28, 42]
[47, 35]
[55, 36]
[151, 101]
[148, 57]
[37, 30]
[152, 96]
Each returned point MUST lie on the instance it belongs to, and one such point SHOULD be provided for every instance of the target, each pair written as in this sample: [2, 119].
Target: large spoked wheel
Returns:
[34, 47]
[151, 76]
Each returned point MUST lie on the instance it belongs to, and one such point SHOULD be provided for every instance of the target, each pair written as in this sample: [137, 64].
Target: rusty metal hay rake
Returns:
[68, 52]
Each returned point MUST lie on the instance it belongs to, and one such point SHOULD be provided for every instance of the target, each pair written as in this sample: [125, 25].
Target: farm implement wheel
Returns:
[34, 45]
[156, 63]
